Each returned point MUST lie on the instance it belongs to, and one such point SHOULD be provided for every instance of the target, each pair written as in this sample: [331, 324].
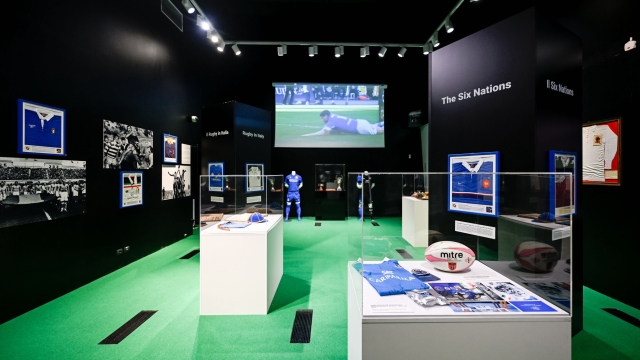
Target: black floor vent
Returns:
[301, 332]
[404, 254]
[623, 315]
[318, 224]
[374, 223]
[128, 327]
[191, 254]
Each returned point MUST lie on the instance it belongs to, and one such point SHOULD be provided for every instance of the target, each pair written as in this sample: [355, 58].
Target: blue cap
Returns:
[257, 217]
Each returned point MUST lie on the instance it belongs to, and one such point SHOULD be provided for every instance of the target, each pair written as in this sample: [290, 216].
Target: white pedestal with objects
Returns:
[240, 269]
[394, 327]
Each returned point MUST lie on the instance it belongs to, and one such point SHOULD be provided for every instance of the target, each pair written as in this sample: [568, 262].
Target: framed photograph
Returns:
[126, 147]
[130, 189]
[176, 182]
[562, 189]
[42, 129]
[170, 151]
[601, 152]
[473, 184]
[185, 150]
[216, 176]
[34, 190]
[254, 180]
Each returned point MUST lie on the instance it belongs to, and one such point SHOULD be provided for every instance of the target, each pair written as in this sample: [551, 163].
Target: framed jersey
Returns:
[562, 188]
[41, 129]
[473, 184]
[254, 181]
[130, 189]
[170, 149]
[216, 176]
[601, 152]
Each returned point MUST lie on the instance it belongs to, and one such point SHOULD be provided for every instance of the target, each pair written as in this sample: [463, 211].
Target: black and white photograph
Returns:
[176, 182]
[34, 190]
[126, 147]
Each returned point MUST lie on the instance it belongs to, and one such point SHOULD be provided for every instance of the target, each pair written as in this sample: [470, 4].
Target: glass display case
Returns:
[244, 218]
[472, 254]
[330, 192]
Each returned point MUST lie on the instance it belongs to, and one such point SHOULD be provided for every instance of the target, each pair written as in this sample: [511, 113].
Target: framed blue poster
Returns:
[130, 188]
[216, 176]
[41, 129]
[562, 187]
[170, 149]
[254, 180]
[473, 184]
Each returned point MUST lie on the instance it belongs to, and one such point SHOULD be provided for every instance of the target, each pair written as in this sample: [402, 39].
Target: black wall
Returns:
[522, 122]
[123, 62]
[611, 89]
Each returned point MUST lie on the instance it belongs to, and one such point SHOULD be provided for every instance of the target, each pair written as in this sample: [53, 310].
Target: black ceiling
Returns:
[604, 25]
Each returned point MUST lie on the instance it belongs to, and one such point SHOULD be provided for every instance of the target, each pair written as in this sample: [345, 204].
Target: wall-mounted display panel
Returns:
[41, 129]
[34, 190]
[130, 189]
[473, 185]
[322, 115]
[176, 182]
[601, 152]
[126, 147]
[560, 201]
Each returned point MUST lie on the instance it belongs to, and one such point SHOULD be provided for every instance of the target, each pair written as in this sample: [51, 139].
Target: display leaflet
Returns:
[390, 278]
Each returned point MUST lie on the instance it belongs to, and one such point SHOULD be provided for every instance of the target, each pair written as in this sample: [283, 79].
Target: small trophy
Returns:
[272, 182]
[339, 182]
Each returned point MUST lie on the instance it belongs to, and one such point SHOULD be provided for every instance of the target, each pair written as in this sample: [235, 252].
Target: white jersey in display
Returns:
[254, 177]
[610, 144]
[593, 150]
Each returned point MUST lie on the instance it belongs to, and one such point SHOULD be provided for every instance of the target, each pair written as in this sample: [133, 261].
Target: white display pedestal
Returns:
[413, 332]
[415, 221]
[240, 269]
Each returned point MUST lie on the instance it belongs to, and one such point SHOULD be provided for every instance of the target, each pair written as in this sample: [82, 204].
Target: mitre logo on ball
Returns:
[450, 256]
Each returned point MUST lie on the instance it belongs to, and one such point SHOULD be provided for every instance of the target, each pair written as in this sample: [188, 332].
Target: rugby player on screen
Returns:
[336, 124]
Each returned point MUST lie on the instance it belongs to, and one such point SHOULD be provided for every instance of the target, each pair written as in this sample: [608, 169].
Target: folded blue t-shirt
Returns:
[390, 278]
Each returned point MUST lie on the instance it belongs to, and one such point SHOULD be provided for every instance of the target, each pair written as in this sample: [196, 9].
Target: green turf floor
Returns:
[71, 326]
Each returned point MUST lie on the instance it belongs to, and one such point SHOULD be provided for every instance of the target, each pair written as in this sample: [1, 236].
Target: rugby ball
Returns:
[536, 256]
[449, 256]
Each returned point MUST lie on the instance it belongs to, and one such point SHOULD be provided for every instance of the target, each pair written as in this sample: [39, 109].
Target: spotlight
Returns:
[434, 40]
[427, 48]
[202, 22]
[315, 49]
[187, 5]
[402, 51]
[448, 24]
[366, 50]
[221, 46]
[213, 36]
[282, 50]
[362, 52]
[236, 49]
[341, 50]
[311, 51]
[337, 51]
[382, 51]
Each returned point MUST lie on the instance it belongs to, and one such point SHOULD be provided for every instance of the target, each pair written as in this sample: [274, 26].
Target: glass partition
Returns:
[450, 244]
[240, 202]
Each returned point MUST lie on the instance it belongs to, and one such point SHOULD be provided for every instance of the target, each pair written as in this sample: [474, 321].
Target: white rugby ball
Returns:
[536, 256]
[450, 256]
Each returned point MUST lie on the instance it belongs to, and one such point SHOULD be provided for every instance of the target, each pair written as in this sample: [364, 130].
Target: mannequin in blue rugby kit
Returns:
[293, 183]
[364, 183]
